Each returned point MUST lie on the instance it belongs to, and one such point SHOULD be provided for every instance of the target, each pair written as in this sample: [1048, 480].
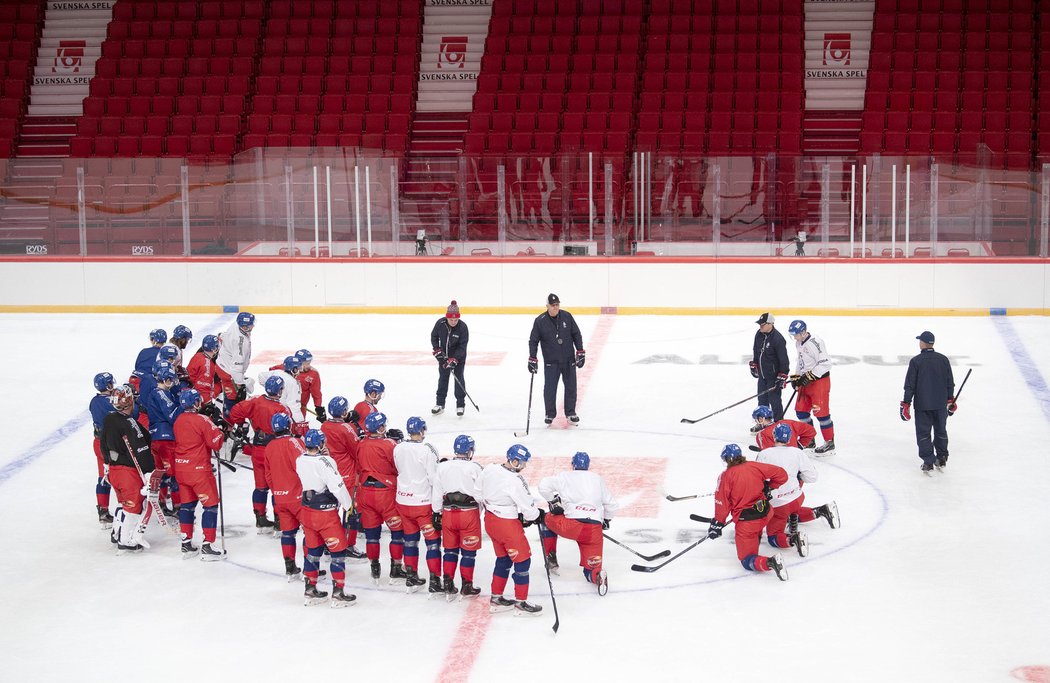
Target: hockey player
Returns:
[235, 355]
[180, 339]
[281, 454]
[416, 463]
[802, 435]
[581, 507]
[310, 384]
[196, 437]
[287, 371]
[99, 407]
[557, 334]
[131, 470]
[457, 515]
[509, 507]
[323, 494]
[769, 364]
[374, 390]
[163, 409]
[204, 373]
[260, 411]
[342, 441]
[742, 492]
[812, 378]
[148, 356]
[449, 340]
[376, 495]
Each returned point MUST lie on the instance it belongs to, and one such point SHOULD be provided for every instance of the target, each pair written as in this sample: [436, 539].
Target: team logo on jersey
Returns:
[837, 49]
[69, 56]
[452, 53]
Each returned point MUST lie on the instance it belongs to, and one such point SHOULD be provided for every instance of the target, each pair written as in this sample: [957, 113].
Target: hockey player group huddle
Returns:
[158, 440]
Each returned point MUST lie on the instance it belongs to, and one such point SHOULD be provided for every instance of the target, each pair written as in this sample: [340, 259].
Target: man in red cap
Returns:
[449, 340]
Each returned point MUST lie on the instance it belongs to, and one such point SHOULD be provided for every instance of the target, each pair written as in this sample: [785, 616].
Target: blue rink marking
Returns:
[73, 425]
[1025, 364]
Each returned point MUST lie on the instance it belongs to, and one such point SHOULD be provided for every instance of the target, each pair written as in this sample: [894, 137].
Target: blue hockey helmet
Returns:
[374, 422]
[731, 450]
[314, 438]
[796, 327]
[338, 407]
[519, 453]
[763, 412]
[581, 461]
[210, 343]
[168, 353]
[280, 422]
[292, 365]
[182, 332]
[103, 381]
[245, 320]
[158, 336]
[415, 425]
[782, 433]
[374, 385]
[189, 398]
[304, 355]
[274, 386]
[463, 445]
[163, 371]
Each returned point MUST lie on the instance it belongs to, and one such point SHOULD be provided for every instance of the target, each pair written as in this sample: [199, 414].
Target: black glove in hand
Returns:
[555, 506]
[605, 524]
[348, 518]
[439, 355]
[714, 530]
[320, 413]
[534, 366]
[435, 519]
[581, 358]
[753, 366]
[782, 379]
[451, 364]
[396, 434]
[242, 392]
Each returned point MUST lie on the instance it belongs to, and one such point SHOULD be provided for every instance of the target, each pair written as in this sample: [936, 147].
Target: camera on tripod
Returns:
[421, 242]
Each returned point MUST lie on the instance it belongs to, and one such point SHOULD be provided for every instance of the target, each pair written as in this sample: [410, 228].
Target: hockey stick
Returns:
[653, 568]
[222, 518]
[528, 417]
[647, 558]
[547, 567]
[701, 419]
[961, 388]
[792, 398]
[675, 499]
[465, 391]
[154, 504]
[701, 518]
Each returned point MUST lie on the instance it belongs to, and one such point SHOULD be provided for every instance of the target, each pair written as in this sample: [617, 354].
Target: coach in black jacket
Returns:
[930, 384]
[449, 340]
[770, 365]
[557, 333]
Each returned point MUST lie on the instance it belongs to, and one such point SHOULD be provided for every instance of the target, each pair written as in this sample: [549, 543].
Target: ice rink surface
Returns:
[928, 579]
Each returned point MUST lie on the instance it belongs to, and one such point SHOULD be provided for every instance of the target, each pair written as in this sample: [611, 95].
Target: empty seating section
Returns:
[948, 75]
[19, 26]
[1043, 104]
[336, 73]
[722, 77]
[173, 80]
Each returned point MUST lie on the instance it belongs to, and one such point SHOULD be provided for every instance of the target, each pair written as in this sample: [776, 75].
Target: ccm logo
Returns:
[837, 49]
[36, 249]
[452, 53]
[144, 250]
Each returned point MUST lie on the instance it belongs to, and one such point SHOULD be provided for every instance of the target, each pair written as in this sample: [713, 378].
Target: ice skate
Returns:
[291, 570]
[397, 572]
[412, 581]
[800, 541]
[552, 563]
[189, 551]
[376, 571]
[776, 563]
[210, 554]
[548, 420]
[927, 469]
[830, 512]
[341, 598]
[312, 596]
[437, 410]
[449, 586]
[459, 411]
[105, 519]
[526, 609]
[262, 525]
[940, 463]
[355, 555]
[573, 418]
[128, 549]
[826, 448]
[469, 590]
[498, 603]
[435, 586]
[603, 583]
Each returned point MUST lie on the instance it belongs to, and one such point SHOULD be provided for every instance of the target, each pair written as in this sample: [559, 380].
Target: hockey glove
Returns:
[952, 405]
[555, 506]
[605, 524]
[242, 392]
[906, 410]
[439, 355]
[782, 379]
[753, 366]
[396, 434]
[153, 480]
[300, 428]
[451, 364]
[534, 366]
[714, 530]
[435, 519]
[348, 518]
[581, 358]
[320, 413]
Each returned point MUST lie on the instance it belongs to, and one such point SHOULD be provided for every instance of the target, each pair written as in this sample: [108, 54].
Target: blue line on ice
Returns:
[1025, 363]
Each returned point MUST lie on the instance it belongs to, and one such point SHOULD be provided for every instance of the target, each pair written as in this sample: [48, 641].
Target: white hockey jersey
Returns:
[235, 352]
[456, 476]
[813, 357]
[291, 398]
[583, 495]
[506, 494]
[416, 463]
[318, 473]
[797, 465]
